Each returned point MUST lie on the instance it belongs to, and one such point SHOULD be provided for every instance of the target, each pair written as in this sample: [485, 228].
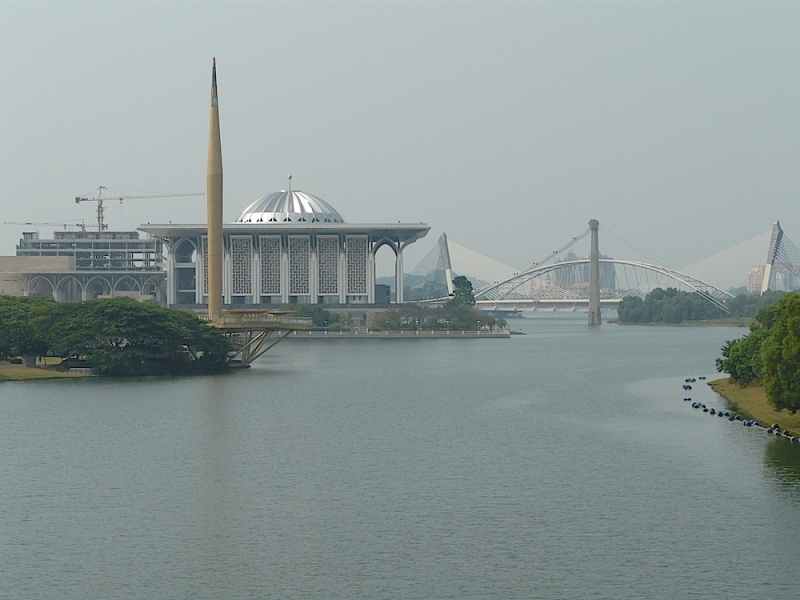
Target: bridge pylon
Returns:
[594, 275]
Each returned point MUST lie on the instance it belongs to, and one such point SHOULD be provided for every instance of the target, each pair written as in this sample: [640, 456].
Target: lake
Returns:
[559, 464]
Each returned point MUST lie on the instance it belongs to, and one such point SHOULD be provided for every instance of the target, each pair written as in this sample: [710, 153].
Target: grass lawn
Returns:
[752, 401]
[20, 373]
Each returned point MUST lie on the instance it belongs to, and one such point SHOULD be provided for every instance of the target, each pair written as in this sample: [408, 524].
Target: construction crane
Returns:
[101, 224]
[63, 224]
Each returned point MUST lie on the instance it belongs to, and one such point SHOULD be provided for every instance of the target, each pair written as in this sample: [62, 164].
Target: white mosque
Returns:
[288, 247]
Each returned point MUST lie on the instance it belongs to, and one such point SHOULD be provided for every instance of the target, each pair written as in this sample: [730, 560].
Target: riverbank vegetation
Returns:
[457, 314]
[751, 401]
[672, 306]
[769, 355]
[20, 373]
[118, 336]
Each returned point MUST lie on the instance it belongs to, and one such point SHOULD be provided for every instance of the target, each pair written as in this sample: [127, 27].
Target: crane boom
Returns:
[101, 225]
[63, 224]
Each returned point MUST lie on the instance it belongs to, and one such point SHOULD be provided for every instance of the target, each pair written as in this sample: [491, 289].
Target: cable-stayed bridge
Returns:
[563, 278]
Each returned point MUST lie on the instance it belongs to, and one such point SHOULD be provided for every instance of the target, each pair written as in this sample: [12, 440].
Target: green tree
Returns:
[462, 292]
[741, 359]
[18, 337]
[781, 353]
[123, 337]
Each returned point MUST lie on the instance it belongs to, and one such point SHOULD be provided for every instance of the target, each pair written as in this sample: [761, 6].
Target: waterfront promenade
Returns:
[364, 333]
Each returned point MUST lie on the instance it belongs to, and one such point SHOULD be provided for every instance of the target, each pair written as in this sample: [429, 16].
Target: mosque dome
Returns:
[289, 206]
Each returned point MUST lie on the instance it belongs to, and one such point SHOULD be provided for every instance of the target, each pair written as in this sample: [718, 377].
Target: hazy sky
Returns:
[506, 124]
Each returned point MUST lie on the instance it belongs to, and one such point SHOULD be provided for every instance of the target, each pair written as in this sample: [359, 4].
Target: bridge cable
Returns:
[632, 247]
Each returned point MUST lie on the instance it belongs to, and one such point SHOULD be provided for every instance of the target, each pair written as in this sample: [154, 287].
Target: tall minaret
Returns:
[214, 203]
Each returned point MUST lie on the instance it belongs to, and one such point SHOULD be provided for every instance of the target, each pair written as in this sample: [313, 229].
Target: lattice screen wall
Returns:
[205, 265]
[356, 265]
[242, 258]
[299, 250]
[270, 250]
[328, 258]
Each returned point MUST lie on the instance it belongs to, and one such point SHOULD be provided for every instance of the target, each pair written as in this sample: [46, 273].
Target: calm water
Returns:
[561, 464]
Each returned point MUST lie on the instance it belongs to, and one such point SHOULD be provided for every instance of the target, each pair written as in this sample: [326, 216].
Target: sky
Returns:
[507, 125]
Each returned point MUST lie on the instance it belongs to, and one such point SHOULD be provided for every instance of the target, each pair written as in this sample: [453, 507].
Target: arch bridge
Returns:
[564, 280]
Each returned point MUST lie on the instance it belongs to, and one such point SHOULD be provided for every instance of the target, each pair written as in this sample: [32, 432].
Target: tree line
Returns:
[770, 354]
[114, 336]
[457, 314]
[673, 306]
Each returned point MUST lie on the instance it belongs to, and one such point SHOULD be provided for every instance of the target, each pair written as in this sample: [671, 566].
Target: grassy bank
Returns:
[726, 322]
[20, 373]
[752, 401]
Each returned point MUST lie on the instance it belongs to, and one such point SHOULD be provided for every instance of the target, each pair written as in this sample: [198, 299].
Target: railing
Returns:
[245, 319]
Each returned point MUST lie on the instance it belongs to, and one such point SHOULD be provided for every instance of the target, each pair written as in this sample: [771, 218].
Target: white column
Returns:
[227, 271]
[172, 276]
[342, 272]
[199, 266]
[255, 274]
[370, 275]
[313, 270]
[284, 270]
[398, 274]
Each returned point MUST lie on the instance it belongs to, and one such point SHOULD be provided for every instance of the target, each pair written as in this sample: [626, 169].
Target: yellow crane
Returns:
[99, 198]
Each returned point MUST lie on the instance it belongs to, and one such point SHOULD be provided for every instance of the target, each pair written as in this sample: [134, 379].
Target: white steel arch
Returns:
[514, 288]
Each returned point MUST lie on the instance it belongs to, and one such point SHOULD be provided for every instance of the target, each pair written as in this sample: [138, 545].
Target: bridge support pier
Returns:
[594, 276]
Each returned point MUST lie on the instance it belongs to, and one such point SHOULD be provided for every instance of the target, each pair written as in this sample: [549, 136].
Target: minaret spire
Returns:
[214, 204]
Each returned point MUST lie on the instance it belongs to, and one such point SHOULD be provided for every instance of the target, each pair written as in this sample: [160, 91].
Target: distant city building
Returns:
[81, 265]
[576, 276]
[288, 247]
[755, 278]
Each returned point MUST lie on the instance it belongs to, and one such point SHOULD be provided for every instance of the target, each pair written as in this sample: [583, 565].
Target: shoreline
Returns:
[20, 373]
[738, 322]
[425, 334]
[751, 401]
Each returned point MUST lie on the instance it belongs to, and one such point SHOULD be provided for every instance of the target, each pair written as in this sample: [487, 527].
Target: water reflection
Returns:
[783, 457]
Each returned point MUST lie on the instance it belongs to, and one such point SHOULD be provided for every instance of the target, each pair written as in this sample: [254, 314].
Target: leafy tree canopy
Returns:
[673, 306]
[769, 354]
[118, 336]
[462, 292]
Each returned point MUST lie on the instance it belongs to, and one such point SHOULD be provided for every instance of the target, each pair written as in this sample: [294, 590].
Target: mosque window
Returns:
[328, 259]
[242, 259]
[204, 242]
[270, 250]
[299, 250]
[356, 264]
